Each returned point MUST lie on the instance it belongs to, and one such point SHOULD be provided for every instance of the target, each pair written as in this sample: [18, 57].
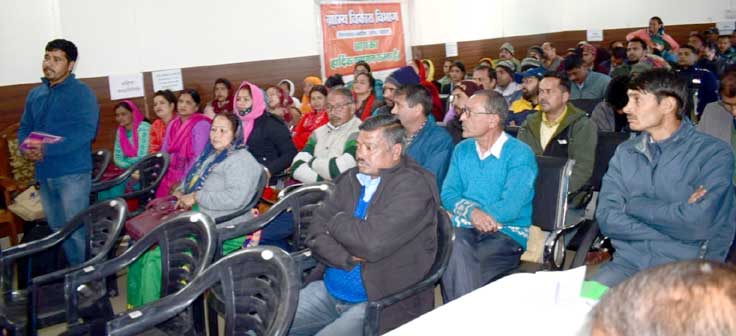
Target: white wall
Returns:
[118, 37]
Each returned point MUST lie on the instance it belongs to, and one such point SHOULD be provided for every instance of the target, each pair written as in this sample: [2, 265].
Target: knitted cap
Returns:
[508, 47]
[403, 76]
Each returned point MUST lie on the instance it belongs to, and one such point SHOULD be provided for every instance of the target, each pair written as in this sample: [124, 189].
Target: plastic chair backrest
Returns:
[100, 160]
[606, 147]
[550, 192]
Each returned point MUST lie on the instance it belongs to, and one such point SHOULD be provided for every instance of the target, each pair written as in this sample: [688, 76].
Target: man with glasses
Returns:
[488, 193]
[330, 150]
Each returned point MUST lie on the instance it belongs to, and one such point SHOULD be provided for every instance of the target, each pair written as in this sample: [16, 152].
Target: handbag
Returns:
[157, 211]
[111, 172]
[28, 205]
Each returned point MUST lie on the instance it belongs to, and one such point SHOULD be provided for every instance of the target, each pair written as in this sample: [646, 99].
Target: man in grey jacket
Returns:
[667, 195]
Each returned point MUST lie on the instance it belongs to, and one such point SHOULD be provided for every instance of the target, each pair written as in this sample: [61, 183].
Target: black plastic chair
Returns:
[445, 238]
[151, 170]
[512, 130]
[549, 207]
[262, 184]
[262, 287]
[589, 231]
[305, 198]
[587, 105]
[187, 243]
[100, 160]
[42, 303]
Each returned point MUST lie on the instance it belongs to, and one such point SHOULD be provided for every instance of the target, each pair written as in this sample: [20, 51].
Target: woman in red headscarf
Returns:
[281, 105]
[313, 120]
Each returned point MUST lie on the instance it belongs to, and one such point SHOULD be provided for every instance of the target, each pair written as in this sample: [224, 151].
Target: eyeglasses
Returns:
[334, 107]
[464, 110]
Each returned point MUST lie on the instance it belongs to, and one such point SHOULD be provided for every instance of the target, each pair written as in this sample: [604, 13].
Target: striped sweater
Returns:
[329, 152]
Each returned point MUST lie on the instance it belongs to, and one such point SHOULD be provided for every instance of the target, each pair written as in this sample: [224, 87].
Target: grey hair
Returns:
[342, 91]
[494, 103]
[393, 132]
[683, 298]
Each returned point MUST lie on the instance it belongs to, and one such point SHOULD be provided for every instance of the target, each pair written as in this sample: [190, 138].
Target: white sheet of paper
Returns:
[167, 79]
[451, 49]
[126, 86]
[594, 35]
[725, 27]
[504, 307]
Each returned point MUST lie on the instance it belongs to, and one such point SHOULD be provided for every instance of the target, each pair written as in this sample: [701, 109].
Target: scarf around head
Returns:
[192, 182]
[291, 86]
[306, 107]
[430, 71]
[130, 150]
[285, 102]
[248, 117]
[433, 92]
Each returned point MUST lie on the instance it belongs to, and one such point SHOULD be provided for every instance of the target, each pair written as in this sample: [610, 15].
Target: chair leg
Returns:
[212, 320]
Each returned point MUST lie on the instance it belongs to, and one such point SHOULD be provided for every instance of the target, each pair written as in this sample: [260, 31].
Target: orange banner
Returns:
[352, 32]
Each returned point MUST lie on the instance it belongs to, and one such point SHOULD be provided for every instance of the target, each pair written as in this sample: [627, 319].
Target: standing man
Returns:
[65, 107]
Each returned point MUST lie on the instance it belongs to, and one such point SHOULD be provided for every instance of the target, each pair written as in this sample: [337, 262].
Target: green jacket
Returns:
[583, 137]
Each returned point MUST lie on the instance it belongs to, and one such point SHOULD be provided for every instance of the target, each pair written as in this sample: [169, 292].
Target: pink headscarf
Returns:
[130, 150]
[257, 109]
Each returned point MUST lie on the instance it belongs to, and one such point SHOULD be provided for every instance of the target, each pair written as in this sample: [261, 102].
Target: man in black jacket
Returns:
[376, 235]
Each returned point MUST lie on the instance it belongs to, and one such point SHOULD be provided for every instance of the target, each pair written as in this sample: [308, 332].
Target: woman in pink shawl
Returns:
[131, 142]
[186, 137]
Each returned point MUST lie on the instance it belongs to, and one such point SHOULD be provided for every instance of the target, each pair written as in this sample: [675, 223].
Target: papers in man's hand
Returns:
[40, 137]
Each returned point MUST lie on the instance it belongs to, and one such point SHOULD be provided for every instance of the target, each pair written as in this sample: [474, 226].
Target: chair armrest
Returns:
[374, 308]
[26, 249]
[288, 190]
[143, 318]
[104, 185]
[550, 244]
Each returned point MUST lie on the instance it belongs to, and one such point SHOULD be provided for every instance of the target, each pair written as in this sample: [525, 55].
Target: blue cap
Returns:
[533, 72]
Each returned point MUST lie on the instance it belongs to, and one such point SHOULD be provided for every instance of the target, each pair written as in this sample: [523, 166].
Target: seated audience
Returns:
[487, 61]
[506, 53]
[223, 101]
[696, 298]
[505, 84]
[697, 41]
[460, 95]
[649, 219]
[429, 67]
[457, 74]
[529, 101]
[586, 84]
[561, 129]
[363, 67]
[618, 58]
[535, 52]
[186, 136]
[636, 49]
[366, 99]
[164, 106]
[428, 144]
[282, 106]
[698, 80]
[589, 54]
[488, 192]
[485, 76]
[719, 118]
[131, 142]
[314, 119]
[710, 61]
[223, 180]
[609, 114]
[445, 80]
[726, 52]
[551, 61]
[655, 36]
[374, 236]
[403, 76]
[309, 83]
[334, 81]
[289, 88]
[437, 111]
[269, 141]
[330, 150]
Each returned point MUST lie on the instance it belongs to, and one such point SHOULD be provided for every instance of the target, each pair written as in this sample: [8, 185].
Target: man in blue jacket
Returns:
[428, 144]
[65, 107]
[667, 195]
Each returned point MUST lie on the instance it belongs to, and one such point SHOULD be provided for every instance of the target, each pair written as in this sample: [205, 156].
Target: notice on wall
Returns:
[451, 49]
[725, 27]
[366, 31]
[167, 80]
[126, 86]
[594, 35]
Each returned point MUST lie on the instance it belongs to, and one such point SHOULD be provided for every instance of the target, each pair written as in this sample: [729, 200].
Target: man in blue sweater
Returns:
[65, 107]
[428, 144]
[488, 192]
[667, 194]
